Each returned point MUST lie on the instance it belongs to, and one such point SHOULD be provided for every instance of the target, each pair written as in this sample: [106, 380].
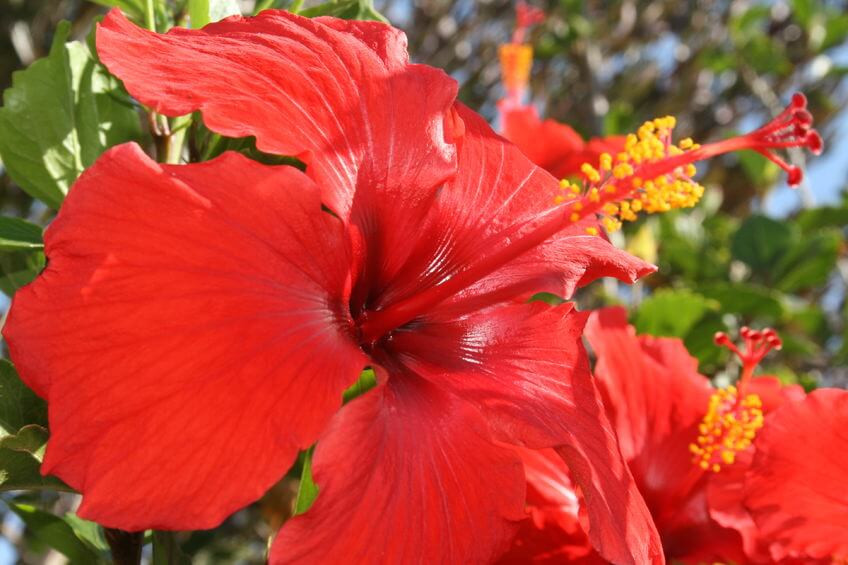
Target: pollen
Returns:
[733, 416]
[622, 195]
[729, 427]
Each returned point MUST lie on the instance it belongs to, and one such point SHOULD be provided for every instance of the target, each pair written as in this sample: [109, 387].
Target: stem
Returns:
[150, 15]
[125, 546]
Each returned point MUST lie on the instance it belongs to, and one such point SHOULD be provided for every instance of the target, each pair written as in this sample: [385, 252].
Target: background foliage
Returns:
[751, 253]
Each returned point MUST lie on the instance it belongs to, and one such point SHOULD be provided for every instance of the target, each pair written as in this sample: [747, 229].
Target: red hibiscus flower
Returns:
[555, 147]
[795, 488]
[197, 324]
[664, 412]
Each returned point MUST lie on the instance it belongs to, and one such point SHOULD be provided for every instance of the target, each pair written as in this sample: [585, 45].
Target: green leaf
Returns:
[203, 12]
[670, 313]
[809, 262]
[347, 10]
[20, 461]
[307, 491]
[19, 268]
[133, 8]
[56, 533]
[760, 242]
[814, 219]
[16, 233]
[88, 531]
[745, 299]
[19, 406]
[59, 115]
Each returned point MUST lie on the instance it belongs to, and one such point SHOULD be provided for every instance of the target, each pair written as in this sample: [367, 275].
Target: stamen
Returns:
[653, 174]
[516, 57]
[733, 417]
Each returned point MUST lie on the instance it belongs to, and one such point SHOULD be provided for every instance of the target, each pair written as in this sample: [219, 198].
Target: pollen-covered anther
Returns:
[667, 190]
[729, 427]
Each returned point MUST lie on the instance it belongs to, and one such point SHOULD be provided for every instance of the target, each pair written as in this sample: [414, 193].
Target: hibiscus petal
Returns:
[340, 96]
[407, 474]
[656, 398]
[495, 189]
[188, 333]
[795, 489]
[555, 147]
[525, 367]
[725, 490]
[553, 533]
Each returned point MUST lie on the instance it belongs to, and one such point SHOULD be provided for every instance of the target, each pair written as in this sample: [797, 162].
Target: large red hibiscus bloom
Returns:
[660, 406]
[197, 324]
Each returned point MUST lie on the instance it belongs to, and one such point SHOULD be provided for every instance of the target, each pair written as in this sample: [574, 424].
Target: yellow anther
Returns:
[577, 206]
[559, 199]
[575, 217]
[592, 231]
[728, 427]
[564, 184]
[616, 183]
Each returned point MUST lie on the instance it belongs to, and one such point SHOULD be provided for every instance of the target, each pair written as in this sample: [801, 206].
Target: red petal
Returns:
[553, 533]
[407, 474]
[796, 486]
[555, 147]
[546, 143]
[497, 187]
[341, 96]
[188, 334]
[656, 399]
[525, 367]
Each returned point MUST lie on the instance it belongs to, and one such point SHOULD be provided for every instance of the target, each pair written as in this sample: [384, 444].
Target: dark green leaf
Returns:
[347, 10]
[56, 533]
[307, 491]
[745, 299]
[19, 268]
[809, 262]
[16, 233]
[20, 461]
[59, 115]
[19, 406]
[813, 219]
[760, 241]
[670, 313]
[88, 531]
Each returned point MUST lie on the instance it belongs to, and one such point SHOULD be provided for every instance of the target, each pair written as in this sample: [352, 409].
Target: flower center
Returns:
[652, 175]
[733, 417]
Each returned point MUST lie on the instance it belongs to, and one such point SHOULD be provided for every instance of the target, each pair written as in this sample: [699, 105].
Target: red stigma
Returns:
[525, 17]
[792, 128]
[756, 345]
